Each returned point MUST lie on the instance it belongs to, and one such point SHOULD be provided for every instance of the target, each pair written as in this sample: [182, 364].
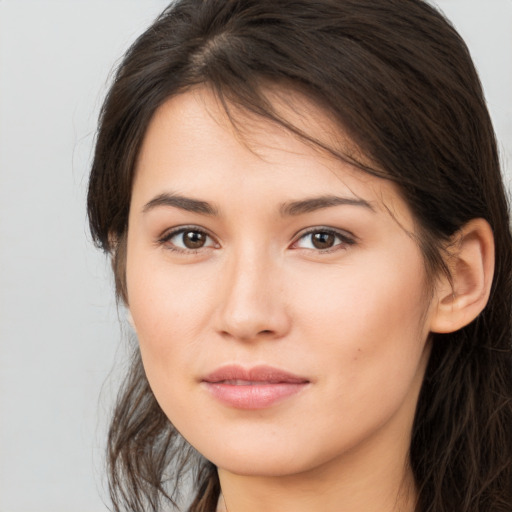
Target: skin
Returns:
[353, 319]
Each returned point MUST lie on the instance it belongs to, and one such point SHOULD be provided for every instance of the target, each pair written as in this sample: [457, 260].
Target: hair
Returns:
[396, 76]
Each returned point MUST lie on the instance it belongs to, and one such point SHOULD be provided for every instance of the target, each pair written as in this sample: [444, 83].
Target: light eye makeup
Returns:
[192, 239]
[187, 239]
[324, 239]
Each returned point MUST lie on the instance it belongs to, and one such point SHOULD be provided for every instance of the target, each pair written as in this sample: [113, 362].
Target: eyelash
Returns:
[166, 238]
[345, 239]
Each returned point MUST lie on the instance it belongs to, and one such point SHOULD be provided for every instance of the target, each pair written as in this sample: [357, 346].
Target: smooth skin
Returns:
[252, 247]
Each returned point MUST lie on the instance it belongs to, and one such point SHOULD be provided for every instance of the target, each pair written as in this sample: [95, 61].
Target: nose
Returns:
[252, 305]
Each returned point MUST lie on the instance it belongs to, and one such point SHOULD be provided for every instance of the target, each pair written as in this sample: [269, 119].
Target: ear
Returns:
[470, 260]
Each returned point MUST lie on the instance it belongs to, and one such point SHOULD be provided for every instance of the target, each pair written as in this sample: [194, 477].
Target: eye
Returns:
[323, 239]
[187, 239]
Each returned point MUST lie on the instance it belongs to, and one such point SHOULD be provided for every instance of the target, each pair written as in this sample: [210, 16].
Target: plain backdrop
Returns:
[60, 332]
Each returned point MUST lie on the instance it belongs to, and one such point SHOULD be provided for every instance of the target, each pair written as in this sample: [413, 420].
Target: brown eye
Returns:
[323, 240]
[194, 239]
[187, 239]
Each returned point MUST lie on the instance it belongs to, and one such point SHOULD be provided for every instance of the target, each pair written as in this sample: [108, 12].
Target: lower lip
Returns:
[254, 396]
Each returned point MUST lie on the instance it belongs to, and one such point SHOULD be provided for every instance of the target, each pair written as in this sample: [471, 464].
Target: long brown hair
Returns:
[397, 77]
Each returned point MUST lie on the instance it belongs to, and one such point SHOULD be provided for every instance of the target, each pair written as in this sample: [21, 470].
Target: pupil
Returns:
[193, 239]
[323, 240]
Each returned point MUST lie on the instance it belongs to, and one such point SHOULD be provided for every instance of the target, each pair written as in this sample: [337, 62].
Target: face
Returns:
[278, 296]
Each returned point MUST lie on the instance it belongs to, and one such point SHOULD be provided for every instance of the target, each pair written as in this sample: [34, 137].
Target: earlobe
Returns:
[470, 260]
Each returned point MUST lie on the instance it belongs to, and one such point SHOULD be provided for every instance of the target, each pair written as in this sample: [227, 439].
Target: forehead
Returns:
[192, 144]
[289, 117]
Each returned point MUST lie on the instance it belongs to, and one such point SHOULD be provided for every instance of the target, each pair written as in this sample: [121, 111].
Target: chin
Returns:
[259, 467]
[264, 460]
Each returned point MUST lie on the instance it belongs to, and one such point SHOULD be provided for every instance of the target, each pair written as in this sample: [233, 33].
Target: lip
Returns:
[258, 387]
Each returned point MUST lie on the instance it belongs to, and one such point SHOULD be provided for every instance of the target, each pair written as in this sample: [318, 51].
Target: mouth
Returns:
[254, 388]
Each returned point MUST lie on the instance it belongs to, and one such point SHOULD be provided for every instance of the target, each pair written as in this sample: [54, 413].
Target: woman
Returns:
[303, 205]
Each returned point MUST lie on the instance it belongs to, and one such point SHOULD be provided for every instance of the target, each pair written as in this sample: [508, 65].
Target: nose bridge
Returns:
[253, 303]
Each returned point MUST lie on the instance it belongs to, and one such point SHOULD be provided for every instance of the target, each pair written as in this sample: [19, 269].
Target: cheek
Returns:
[378, 293]
[170, 306]
[369, 322]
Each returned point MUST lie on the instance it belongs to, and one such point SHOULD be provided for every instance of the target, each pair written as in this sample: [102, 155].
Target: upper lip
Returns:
[258, 374]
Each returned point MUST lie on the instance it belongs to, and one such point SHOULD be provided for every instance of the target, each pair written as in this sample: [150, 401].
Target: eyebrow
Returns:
[317, 203]
[292, 208]
[184, 203]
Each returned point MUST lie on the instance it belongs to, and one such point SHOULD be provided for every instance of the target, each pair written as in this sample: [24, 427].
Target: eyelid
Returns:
[346, 237]
[168, 234]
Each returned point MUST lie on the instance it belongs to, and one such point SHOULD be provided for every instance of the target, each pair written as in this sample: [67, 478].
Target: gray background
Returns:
[59, 328]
